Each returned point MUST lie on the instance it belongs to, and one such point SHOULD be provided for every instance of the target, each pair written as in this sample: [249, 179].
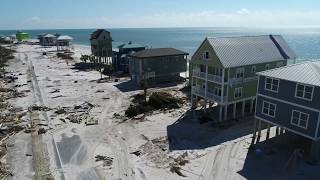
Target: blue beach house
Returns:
[289, 98]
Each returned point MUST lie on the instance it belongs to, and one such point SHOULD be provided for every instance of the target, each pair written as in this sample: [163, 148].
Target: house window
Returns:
[206, 55]
[271, 84]
[238, 92]
[279, 64]
[267, 66]
[253, 69]
[217, 91]
[299, 119]
[304, 92]
[269, 109]
[240, 73]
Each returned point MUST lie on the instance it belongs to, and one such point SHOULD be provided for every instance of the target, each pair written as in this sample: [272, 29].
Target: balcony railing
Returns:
[235, 81]
[218, 79]
[214, 78]
[211, 77]
[201, 92]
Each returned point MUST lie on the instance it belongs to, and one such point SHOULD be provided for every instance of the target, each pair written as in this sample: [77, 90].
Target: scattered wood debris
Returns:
[107, 161]
[78, 114]
[38, 108]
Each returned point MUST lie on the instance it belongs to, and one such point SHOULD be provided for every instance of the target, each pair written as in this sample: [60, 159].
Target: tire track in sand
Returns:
[218, 163]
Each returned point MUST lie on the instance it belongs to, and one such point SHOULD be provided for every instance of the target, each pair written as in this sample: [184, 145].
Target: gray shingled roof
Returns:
[246, 50]
[158, 52]
[307, 73]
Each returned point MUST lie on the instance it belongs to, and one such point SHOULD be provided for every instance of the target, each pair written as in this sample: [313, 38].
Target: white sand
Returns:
[212, 154]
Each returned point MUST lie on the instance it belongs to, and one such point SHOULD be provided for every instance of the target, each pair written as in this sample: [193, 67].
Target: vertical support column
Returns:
[281, 131]
[226, 112]
[259, 131]
[314, 151]
[191, 85]
[243, 108]
[268, 132]
[277, 131]
[254, 132]
[220, 113]
[234, 110]
[251, 106]
[206, 90]
[222, 84]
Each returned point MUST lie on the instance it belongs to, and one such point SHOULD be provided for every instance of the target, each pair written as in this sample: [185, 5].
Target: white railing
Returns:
[201, 92]
[234, 81]
[214, 78]
[211, 77]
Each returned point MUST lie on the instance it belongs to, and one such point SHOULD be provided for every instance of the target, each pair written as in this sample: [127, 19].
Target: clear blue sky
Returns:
[34, 14]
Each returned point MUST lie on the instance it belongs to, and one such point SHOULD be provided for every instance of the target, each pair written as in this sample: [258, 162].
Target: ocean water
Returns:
[304, 41]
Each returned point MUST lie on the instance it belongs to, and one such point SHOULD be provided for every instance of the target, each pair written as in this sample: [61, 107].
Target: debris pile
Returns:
[156, 101]
[8, 93]
[107, 161]
[78, 113]
[4, 171]
[156, 151]
[38, 108]
[65, 56]
[10, 123]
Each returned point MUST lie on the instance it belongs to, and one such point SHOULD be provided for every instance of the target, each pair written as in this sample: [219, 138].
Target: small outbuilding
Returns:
[64, 43]
[22, 36]
[157, 65]
[47, 39]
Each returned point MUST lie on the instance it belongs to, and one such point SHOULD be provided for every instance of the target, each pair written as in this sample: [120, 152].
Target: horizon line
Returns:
[164, 27]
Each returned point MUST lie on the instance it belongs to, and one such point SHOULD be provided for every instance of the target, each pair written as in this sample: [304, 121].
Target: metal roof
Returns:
[65, 37]
[158, 52]
[306, 73]
[49, 36]
[97, 33]
[130, 45]
[247, 50]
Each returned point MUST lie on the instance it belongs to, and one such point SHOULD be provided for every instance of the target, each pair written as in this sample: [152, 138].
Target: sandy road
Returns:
[41, 158]
[117, 134]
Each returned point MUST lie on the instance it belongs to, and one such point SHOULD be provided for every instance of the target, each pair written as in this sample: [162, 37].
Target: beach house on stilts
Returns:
[101, 46]
[223, 72]
[288, 98]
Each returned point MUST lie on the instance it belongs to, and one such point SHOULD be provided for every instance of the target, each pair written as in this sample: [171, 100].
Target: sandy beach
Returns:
[145, 149]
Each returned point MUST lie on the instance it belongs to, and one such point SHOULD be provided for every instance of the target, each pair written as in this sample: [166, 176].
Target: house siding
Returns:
[287, 92]
[283, 116]
[166, 68]
[213, 60]
[319, 129]
[249, 89]
[259, 67]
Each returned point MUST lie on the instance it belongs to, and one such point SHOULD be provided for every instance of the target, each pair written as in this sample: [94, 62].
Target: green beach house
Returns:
[223, 71]
[21, 36]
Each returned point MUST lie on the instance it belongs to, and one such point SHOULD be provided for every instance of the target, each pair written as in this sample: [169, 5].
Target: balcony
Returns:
[198, 74]
[235, 81]
[211, 96]
[211, 77]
